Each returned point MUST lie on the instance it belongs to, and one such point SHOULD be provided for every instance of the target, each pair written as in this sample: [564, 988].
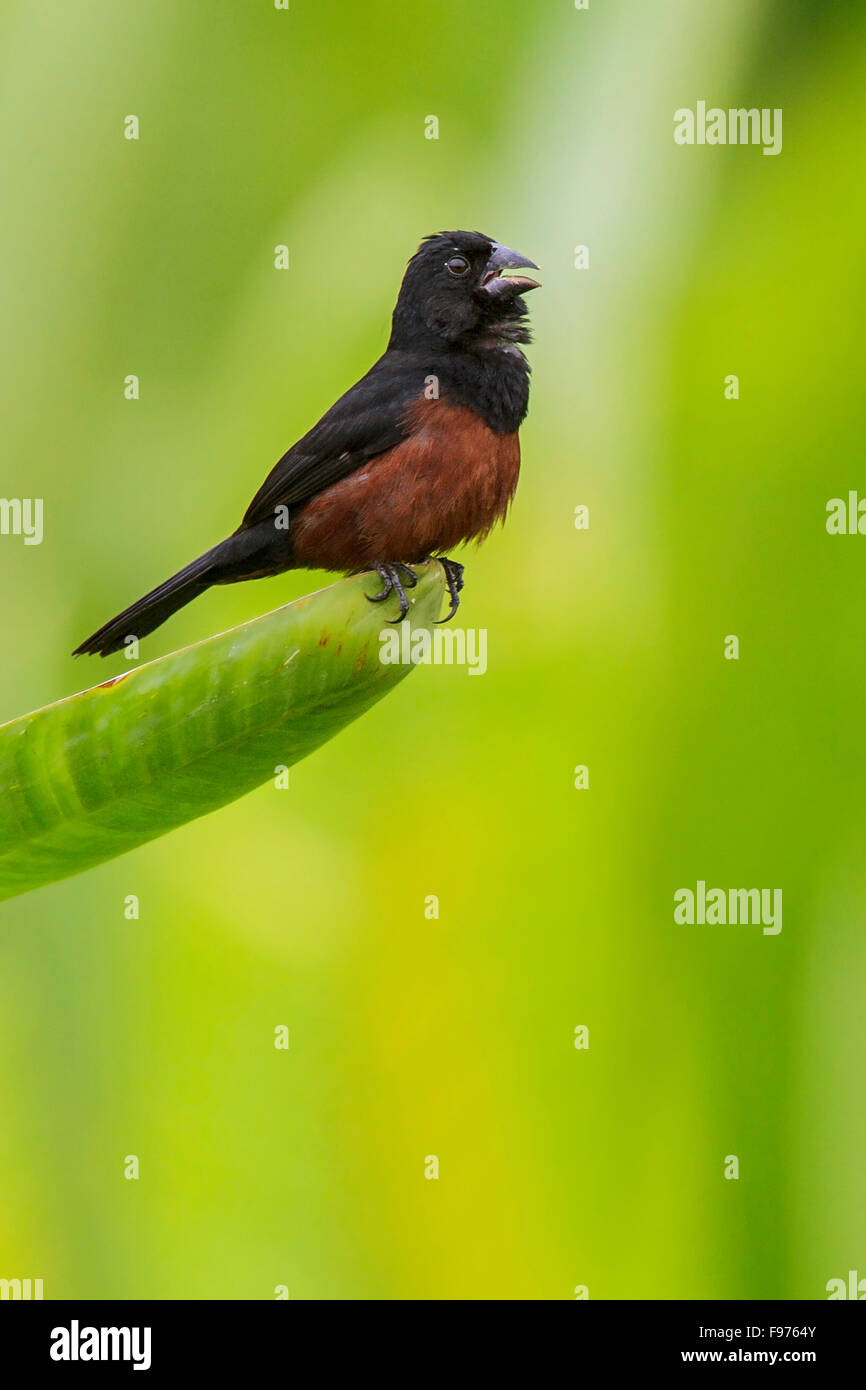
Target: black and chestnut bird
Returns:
[421, 454]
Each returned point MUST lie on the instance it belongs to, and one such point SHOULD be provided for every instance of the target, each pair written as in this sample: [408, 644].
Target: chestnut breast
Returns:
[449, 481]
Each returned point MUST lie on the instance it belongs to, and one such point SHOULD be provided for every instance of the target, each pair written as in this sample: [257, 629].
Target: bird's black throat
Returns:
[493, 380]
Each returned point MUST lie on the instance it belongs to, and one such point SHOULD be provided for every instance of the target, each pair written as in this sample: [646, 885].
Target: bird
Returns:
[420, 455]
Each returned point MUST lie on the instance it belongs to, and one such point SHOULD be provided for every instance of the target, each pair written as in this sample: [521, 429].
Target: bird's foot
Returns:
[392, 584]
[454, 579]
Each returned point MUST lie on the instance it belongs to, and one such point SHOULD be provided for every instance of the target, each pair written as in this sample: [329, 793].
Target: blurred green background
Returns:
[451, 1037]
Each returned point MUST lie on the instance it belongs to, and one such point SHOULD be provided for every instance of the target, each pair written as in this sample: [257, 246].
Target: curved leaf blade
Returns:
[104, 771]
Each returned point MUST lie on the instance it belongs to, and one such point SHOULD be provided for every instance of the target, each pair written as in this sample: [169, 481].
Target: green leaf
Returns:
[95, 775]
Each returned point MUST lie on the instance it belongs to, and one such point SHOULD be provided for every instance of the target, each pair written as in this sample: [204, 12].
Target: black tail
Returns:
[145, 615]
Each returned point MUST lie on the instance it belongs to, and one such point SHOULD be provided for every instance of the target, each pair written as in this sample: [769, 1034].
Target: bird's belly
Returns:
[449, 481]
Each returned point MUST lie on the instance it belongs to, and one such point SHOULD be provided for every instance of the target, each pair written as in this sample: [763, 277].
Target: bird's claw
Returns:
[392, 584]
[454, 579]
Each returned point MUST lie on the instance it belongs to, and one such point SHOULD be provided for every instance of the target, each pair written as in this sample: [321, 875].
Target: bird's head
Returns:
[461, 287]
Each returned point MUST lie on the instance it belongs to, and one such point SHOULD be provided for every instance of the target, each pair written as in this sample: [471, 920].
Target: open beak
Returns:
[497, 277]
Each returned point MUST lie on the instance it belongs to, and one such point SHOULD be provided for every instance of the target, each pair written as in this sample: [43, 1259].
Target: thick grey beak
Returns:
[502, 258]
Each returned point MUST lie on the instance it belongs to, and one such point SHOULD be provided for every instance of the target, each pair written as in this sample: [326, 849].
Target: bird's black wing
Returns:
[366, 421]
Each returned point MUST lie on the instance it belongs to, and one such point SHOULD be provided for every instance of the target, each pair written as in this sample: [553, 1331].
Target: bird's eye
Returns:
[458, 265]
